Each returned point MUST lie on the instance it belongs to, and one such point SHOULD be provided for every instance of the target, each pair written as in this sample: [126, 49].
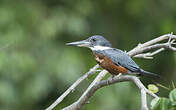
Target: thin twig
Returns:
[149, 55]
[82, 101]
[137, 52]
[73, 86]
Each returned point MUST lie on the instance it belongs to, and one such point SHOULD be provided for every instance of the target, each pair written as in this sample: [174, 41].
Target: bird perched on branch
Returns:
[115, 61]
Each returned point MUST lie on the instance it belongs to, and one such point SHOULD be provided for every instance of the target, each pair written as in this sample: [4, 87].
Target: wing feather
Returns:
[121, 58]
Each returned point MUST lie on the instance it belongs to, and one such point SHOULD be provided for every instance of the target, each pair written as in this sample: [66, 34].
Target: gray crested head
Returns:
[95, 42]
[98, 40]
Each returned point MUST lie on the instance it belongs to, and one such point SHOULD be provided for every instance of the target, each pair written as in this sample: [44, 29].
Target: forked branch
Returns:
[146, 50]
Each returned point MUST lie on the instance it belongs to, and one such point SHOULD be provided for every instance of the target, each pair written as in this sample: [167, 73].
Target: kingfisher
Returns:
[113, 60]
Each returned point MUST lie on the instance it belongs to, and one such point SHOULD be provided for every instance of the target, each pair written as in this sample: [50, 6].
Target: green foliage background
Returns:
[36, 67]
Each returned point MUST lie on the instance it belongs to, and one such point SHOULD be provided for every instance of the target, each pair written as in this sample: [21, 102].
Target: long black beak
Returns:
[83, 43]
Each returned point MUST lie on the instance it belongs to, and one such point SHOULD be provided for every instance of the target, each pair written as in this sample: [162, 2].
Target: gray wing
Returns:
[120, 58]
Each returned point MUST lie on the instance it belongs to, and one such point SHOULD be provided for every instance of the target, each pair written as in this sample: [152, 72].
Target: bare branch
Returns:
[137, 50]
[79, 104]
[161, 47]
[143, 100]
[73, 86]
[84, 98]
[152, 45]
[149, 55]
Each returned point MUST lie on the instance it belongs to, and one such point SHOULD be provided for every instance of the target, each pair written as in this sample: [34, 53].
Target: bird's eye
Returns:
[94, 40]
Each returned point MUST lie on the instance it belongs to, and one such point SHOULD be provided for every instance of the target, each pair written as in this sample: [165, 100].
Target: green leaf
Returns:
[165, 104]
[173, 85]
[172, 95]
[153, 88]
[155, 104]
[174, 105]
[161, 104]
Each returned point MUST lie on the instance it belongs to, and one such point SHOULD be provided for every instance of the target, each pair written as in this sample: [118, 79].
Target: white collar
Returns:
[99, 48]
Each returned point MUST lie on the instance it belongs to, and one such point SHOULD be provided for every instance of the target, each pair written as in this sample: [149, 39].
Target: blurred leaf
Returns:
[173, 85]
[153, 88]
[172, 95]
[162, 86]
[161, 104]
[174, 105]
[37, 66]
[155, 104]
[165, 104]
[8, 94]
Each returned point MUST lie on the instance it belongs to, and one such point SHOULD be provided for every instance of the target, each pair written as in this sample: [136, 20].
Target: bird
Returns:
[114, 60]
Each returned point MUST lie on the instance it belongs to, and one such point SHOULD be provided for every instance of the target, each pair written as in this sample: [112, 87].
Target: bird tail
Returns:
[143, 72]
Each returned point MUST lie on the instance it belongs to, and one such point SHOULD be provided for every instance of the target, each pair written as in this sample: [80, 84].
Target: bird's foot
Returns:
[98, 70]
[119, 74]
[112, 76]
